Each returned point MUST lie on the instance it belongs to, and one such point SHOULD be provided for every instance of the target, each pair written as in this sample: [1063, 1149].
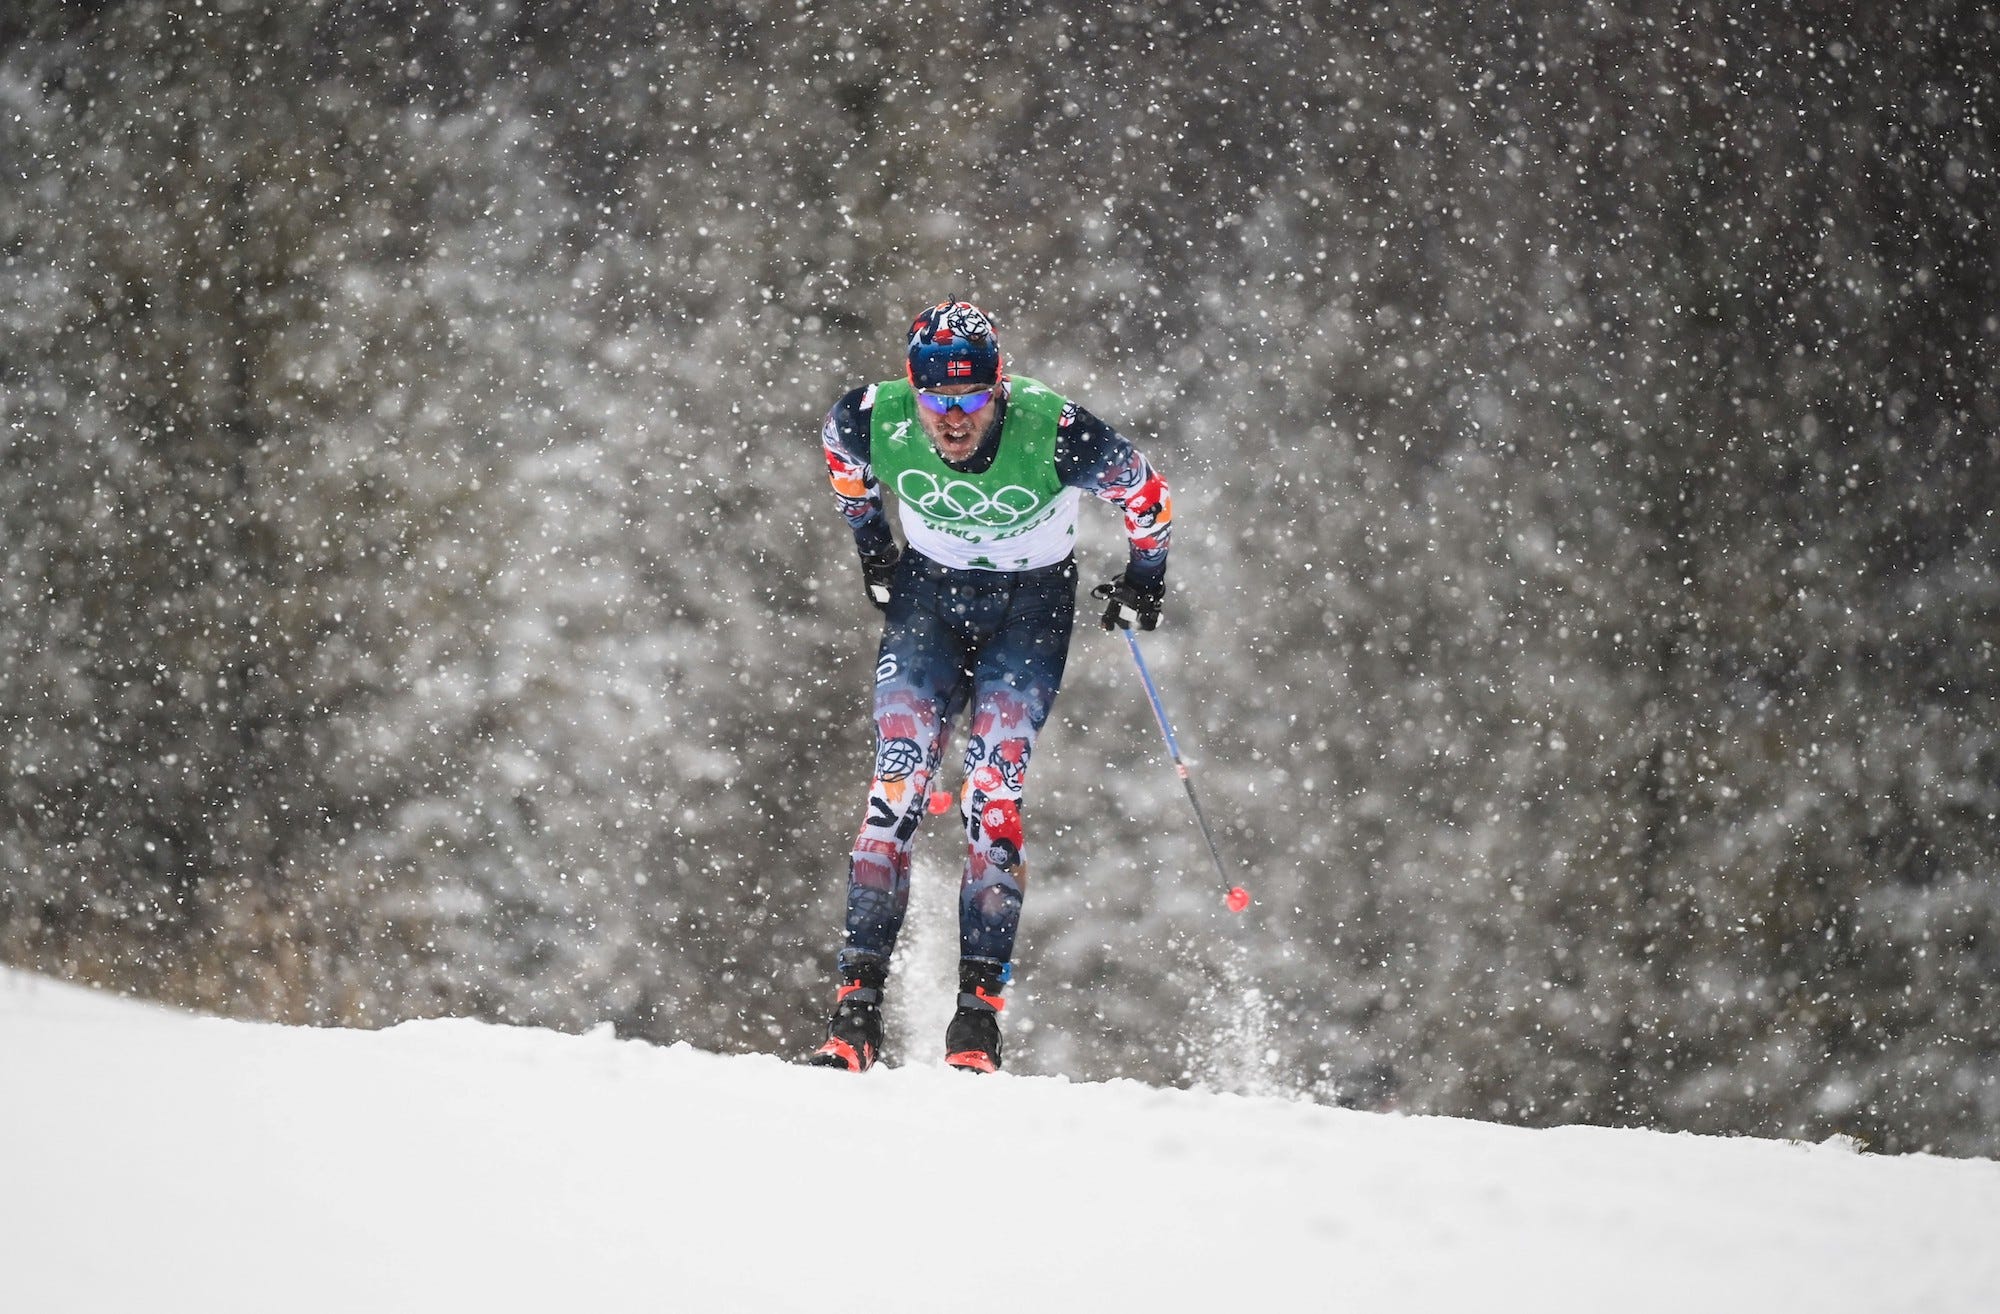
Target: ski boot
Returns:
[972, 1041]
[854, 1032]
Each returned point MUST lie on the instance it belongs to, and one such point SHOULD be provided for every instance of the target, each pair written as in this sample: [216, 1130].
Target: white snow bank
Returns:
[159, 1161]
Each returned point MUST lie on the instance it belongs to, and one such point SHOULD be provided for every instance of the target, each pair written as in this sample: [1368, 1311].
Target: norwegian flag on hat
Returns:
[953, 342]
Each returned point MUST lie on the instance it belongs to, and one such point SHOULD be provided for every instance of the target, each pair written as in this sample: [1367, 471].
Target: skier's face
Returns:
[957, 433]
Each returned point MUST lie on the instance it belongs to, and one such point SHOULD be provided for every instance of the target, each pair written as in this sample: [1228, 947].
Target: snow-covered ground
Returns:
[159, 1161]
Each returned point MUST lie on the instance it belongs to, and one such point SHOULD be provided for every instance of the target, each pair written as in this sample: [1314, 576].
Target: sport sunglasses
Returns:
[943, 405]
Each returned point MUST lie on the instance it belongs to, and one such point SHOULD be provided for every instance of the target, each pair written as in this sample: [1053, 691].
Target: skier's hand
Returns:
[1128, 602]
[878, 571]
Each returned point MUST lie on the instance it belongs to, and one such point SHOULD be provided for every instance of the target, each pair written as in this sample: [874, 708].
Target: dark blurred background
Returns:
[423, 595]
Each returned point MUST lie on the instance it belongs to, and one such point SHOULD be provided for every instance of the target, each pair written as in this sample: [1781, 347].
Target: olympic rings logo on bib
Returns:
[957, 501]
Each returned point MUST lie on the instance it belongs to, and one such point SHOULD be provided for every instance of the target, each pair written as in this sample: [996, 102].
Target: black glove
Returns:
[878, 569]
[1130, 602]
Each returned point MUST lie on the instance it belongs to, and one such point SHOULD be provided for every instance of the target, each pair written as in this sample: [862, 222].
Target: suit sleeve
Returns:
[1096, 458]
[844, 437]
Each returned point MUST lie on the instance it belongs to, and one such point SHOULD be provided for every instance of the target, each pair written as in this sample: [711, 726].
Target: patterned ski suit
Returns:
[980, 617]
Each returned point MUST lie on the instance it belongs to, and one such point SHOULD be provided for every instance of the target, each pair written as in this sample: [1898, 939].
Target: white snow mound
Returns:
[160, 1161]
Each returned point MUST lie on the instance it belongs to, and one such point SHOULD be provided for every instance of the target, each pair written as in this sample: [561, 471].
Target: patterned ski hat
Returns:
[953, 342]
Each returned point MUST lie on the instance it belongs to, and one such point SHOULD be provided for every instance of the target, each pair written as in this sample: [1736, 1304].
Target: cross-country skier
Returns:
[988, 471]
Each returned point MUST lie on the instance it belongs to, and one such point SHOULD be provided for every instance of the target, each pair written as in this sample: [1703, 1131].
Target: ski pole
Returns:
[1237, 898]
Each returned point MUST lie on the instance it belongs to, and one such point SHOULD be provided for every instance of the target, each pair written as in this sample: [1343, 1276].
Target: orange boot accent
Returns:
[856, 1060]
[972, 1060]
